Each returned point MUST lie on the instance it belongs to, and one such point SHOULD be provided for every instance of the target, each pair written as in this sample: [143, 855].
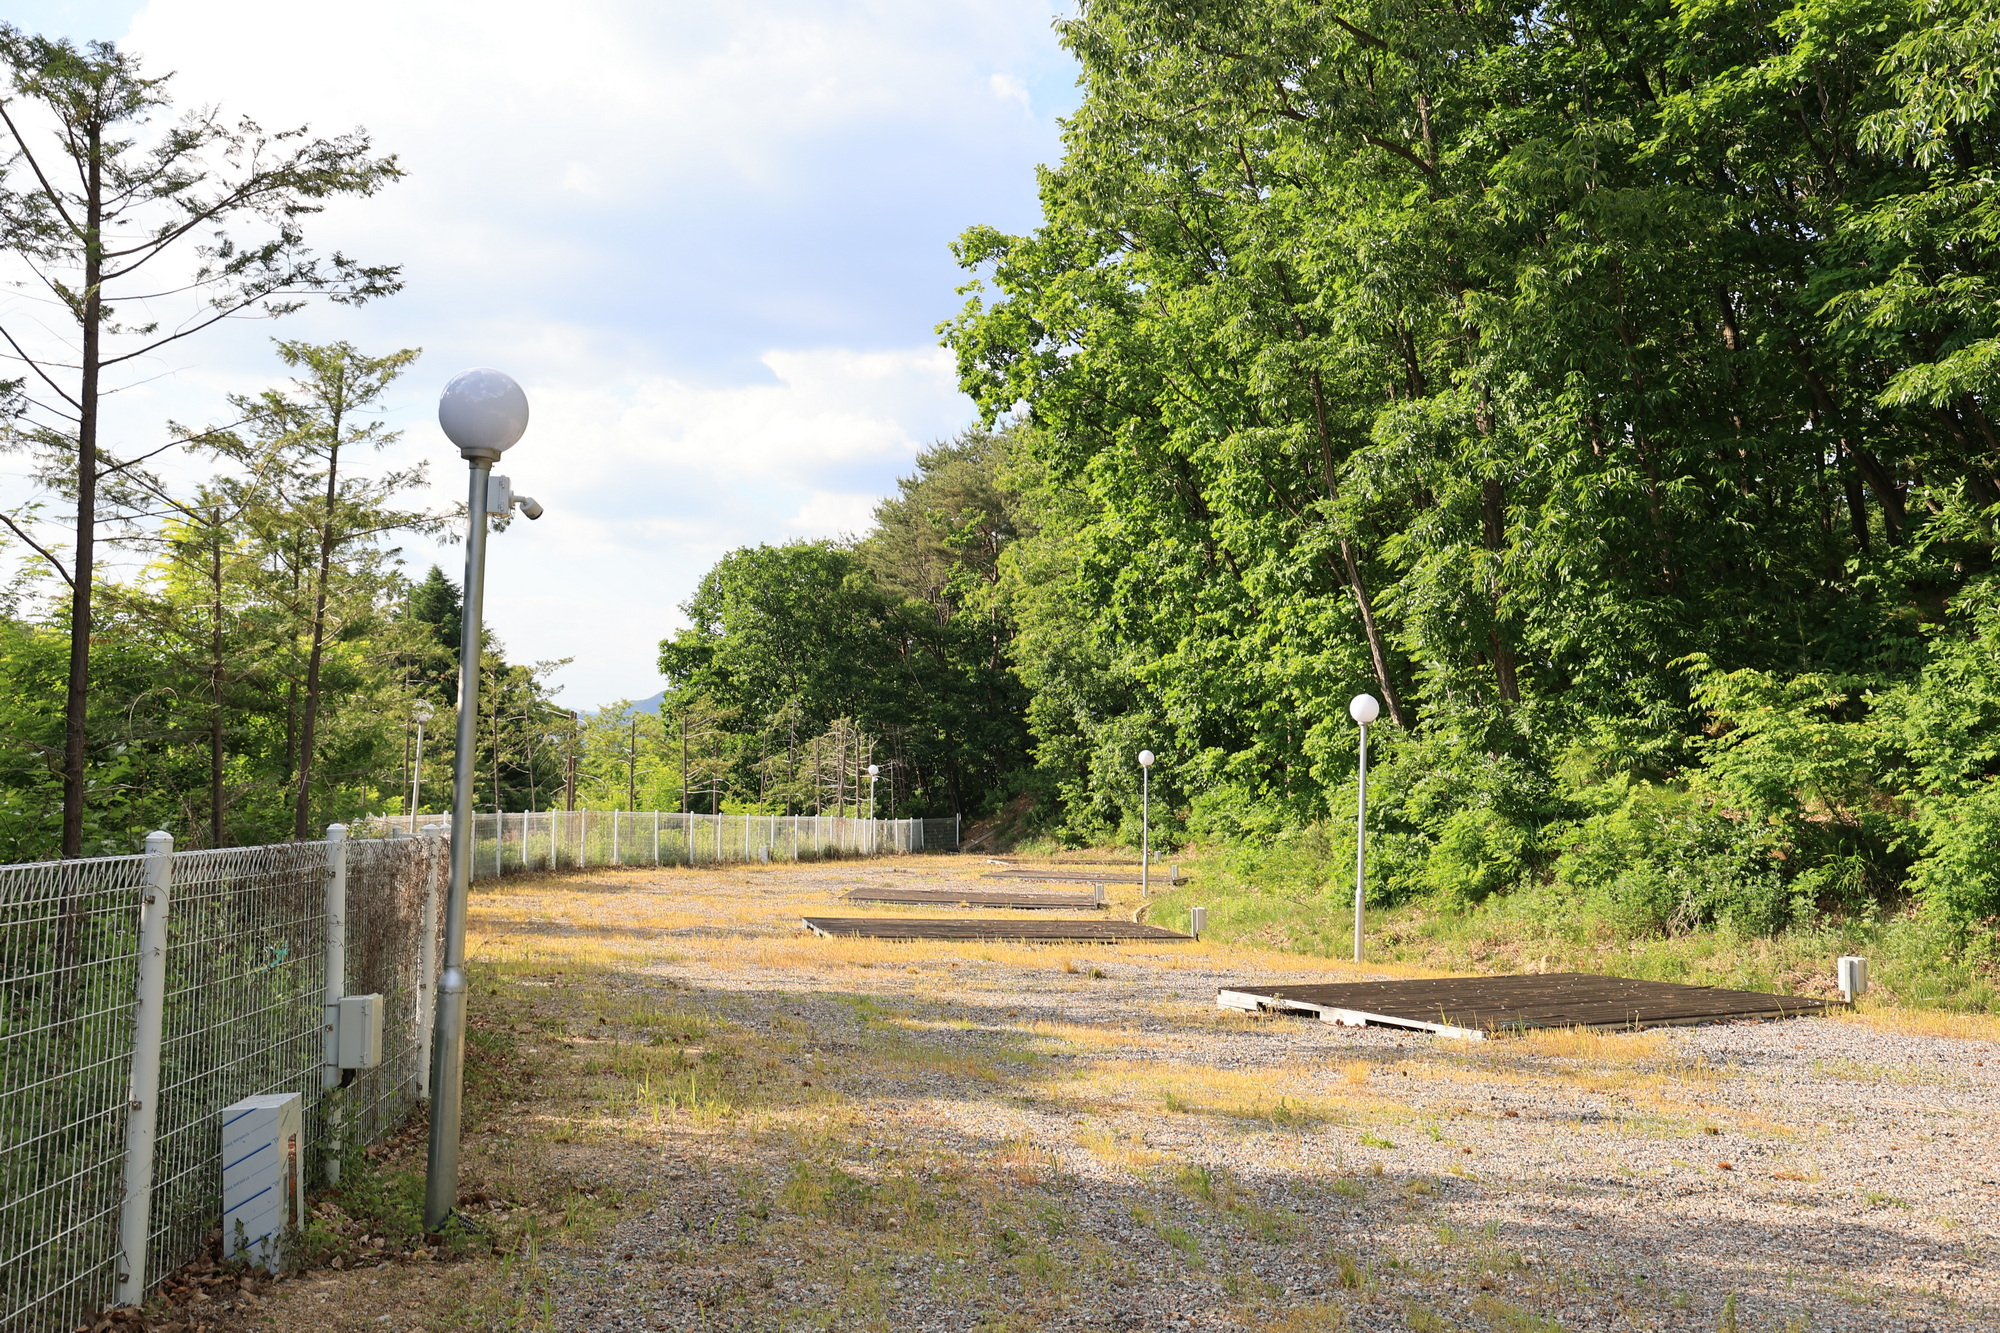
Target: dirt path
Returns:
[691, 1115]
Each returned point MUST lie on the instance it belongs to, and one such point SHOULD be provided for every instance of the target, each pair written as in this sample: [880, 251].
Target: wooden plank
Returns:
[1014, 930]
[976, 898]
[1473, 1006]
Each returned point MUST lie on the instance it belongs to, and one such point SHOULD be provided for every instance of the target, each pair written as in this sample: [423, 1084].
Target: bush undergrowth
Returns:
[1298, 896]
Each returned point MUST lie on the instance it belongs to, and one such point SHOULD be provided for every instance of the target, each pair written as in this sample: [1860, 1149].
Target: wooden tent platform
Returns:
[975, 898]
[1016, 931]
[1058, 865]
[1053, 875]
[1476, 1007]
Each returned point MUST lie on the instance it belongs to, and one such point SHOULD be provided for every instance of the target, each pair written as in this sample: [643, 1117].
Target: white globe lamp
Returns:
[483, 411]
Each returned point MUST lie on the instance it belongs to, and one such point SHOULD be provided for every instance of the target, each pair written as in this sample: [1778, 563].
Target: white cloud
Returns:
[827, 514]
[711, 240]
[1009, 89]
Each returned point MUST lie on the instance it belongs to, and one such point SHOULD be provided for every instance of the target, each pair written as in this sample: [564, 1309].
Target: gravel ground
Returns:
[999, 1137]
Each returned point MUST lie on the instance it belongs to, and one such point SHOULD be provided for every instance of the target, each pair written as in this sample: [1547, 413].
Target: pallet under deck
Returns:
[1477, 1007]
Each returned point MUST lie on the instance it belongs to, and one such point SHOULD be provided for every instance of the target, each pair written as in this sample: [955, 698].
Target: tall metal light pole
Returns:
[422, 713]
[483, 412]
[874, 770]
[1364, 710]
[1145, 823]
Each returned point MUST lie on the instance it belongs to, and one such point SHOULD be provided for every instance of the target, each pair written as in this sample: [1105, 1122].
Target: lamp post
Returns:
[1145, 823]
[1364, 710]
[483, 412]
[874, 771]
[422, 713]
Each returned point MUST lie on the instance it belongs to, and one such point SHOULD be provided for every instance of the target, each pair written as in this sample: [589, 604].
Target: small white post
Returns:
[336, 987]
[427, 961]
[656, 837]
[1853, 973]
[142, 1106]
[614, 836]
[1197, 921]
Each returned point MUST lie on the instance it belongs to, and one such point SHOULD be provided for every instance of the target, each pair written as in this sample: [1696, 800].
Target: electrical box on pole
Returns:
[360, 1037]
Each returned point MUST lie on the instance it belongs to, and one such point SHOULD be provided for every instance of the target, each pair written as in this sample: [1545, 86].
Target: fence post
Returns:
[614, 839]
[336, 987]
[427, 963]
[142, 1106]
[656, 837]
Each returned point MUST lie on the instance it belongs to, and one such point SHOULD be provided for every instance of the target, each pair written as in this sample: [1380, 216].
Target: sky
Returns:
[712, 242]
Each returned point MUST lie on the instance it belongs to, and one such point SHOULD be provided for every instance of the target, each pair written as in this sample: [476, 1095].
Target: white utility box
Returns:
[360, 1043]
[263, 1190]
[1853, 978]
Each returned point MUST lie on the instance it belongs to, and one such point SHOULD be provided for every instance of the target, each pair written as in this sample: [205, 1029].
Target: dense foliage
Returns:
[1610, 388]
[255, 678]
[812, 660]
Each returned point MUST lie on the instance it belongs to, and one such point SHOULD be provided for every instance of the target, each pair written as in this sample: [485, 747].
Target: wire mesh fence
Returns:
[241, 1014]
[68, 958]
[582, 839]
[242, 972]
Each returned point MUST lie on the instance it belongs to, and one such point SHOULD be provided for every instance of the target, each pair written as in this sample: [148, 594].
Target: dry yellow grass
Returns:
[1591, 1044]
[1921, 1022]
[1286, 1097]
[1109, 1147]
[623, 917]
[1085, 1034]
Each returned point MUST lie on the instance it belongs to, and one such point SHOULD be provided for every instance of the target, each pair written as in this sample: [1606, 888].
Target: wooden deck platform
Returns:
[1053, 875]
[1015, 930]
[1059, 865]
[1477, 1007]
[1019, 899]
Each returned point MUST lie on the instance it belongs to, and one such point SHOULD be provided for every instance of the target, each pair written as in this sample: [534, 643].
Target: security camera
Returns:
[528, 505]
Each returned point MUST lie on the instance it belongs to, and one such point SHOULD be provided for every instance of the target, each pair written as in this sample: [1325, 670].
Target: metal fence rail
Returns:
[238, 1011]
[582, 839]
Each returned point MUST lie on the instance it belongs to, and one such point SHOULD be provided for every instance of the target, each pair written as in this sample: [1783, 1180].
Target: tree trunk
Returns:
[76, 698]
[1378, 652]
[302, 812]
[216, 668]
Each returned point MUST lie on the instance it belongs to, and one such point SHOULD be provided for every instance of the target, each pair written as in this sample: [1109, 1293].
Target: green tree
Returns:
[326, 523]
[104, 210]
[1501, 360]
